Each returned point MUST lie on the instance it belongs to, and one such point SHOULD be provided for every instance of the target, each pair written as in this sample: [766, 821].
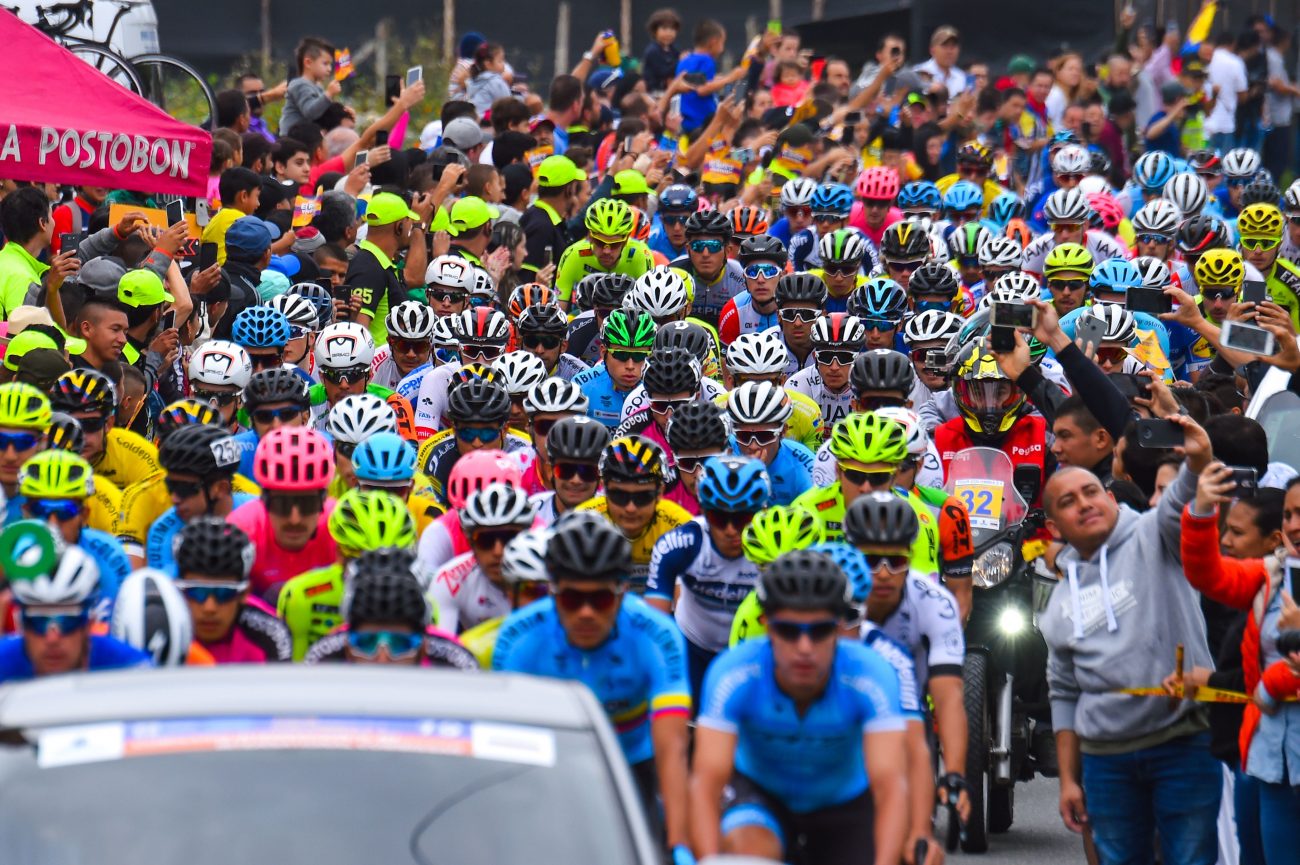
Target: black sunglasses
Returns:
[547, 341]
[859, 478]
[637, 498]
[586, 472]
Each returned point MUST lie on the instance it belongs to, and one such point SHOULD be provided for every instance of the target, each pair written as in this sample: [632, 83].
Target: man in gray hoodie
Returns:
[1129, 765]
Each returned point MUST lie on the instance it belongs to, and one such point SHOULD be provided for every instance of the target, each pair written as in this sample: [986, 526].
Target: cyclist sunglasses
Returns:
[39, 624]
[737, 520]
[1256, 244]
[758, 438]
[1153, 238]
[828, 356]
[61, 509]
[635, 498]
[663, 406]
[880, 324]
[199, 591]
[438, 295]
[347, 375]
[409, 346]
[762, 271]
[182, 489]
[1294, 220]
[399, 645]
[804, 315]
[706, 244]
[486, 539]
[847, 268]
[266, 361]
[626, 356]
[798, 211]
[547, 341]
[790, 632]
[1111, 354]
[481, 434]
[690, 465]
[271, 415]
[542, 427]
[345, 449]
[859, 478]
[92, 424]
[673, 219]
[1219, 293]
[1240, 181]
[1067, 284]
[892, 561]
[878, 202]
[483, 352]
[216, 398]
[586, 472]
[829, 217]
[573, 600]
[284, 504]
[25, 441]
[903, 266]
[1065, 226]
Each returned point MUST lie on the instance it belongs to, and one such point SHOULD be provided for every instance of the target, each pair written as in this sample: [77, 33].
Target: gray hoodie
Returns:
[1114, 622]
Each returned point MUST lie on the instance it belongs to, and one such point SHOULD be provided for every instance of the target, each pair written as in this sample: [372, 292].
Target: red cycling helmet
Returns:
[878, 184]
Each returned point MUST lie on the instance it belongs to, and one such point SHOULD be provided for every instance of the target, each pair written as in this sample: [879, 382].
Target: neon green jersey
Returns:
[482, 640]
[309, 605]
[579, 260]
[827, 504]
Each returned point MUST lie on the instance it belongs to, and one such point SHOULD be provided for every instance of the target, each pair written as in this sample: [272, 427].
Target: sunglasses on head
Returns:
[790, 632]
[486, 539]
[903, 266]
[284, 504]
[1152, 238]
[860, 478]
[664, 406]
[760, 438]
[804, 315]
[762, 271]
[409, 346]
[828, 356]
[635, 498]
[573, 600]
[442, 295]
[547, 341]
[1257, 244]
[61, 509]
[828, 217]
[737, 520]
[345, 376]
[199, 591]
[843, 268]
[706, 244]
[400, 645]
[1067, 284]
[271, 415]
[22, 441]
[585, 472]
[39, 624]
[624, 355]
[892, 561]
[673, 218]
[216, 398]
[182, 489]
[690, 465]
[478, 434]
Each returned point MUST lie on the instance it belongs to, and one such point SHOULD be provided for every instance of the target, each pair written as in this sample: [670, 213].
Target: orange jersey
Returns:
[956, 547]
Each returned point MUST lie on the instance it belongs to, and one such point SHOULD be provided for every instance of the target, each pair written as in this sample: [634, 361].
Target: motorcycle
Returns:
[1004, 674]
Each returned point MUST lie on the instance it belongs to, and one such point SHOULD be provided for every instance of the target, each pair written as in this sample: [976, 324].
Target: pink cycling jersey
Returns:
[532, 479]
[258, 637]
[275, 565]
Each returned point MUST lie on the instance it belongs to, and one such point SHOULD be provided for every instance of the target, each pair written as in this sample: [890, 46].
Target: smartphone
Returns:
[1090, 329]
[853, 118]
[970, 82]
[1253, 291]
[168, 320]
[392, 88]
[69, 242]
[254, 101]
[675, 104]
[414, 74]
[1292, 571]
[1013, 315]
[207, 255]
[201, 214]
[326, 283]
[743, 155]
[740, 92]
[1149, 300]
[695, 79]
[1002, 338]
[1247, 481]
[1247, 338]
[1155, 433]
[175, 212]
[363, 156]
[774, 26]
[343, 293]
[548, 255]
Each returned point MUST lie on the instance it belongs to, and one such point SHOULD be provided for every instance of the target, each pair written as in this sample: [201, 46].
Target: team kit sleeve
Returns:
[670, 690]
[671, 556]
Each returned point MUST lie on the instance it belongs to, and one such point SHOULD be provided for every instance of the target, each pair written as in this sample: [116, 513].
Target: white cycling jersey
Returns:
[712, 585]
[430, 403]
[637, 400]
[383, 369]
[465, 596]
[835, 406]
[928, 625]
[1099, 243]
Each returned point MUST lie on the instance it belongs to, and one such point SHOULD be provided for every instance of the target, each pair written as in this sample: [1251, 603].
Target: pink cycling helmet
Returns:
[293, 460]
[475, 470]
[877, 183]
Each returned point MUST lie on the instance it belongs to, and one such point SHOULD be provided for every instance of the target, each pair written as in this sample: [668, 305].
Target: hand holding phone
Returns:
[168, 320]
[1089, 329]
[1002, 338]
[1248, 338]
[1157, 433]
[1247, 481]
[175, 212]
[207, 255]
[69, 241]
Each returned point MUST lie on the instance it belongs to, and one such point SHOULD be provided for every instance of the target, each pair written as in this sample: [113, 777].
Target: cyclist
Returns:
[903, 249]
[274, 398]
[310, 603]
[843, 254]
[409, 346]
[874, 211]
[200, 462]
[218, 373]
[289, 525]
[478, 410]
[445, 538]
[1066, 273]
[1154, 226]
[447, 284]
[996, 257]
[773, 532]
[925, 333]
[118, 455]
[632, 471]
[354, 419]
[831, 205]
[1219, 276]
[1070, 163]
[717, 279]
[573, 449]
[963, 203]
[672, 377]
[800, 298]
[668, 235]
[922, 616]
[592, 630]
[759, 413]
[482, 337]
[601, 294]
[1067, 216]
[1240, 167]
[795, 200]
[763, 259]
[760, 785]
[54, 486]
[523, 567]
[542, 330]
[104, 508]
[697, 339]
[386, 461]
[625, 342]
[964, 245]
[974, 166]
[263, 332]
[607, 248]
[150, 614]
[518, 372]
[344, 353]
[880, 304]
[919, 199]
[697, 431]
[213, 562]
[25, 417]
[469, 589]
[836, 340]
[746, 222]
[699, 571]
[1260, 228]
[934, 285]
[547, 403]
[1151, 172]
[762, 357]
[304, 322]
[54, 611]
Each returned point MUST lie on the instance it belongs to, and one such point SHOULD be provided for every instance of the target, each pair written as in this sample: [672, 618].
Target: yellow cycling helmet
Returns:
[24, 407]
[369, 519]
[989, 401]
[1260, 221]
[609, 219]
[688, 281]
[56, 474]
[1068, 258]
[779, 530]
[866, 437]
[1220, 267]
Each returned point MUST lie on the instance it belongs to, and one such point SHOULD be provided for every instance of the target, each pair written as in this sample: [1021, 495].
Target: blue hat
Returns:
[289, 265]
[250, 236]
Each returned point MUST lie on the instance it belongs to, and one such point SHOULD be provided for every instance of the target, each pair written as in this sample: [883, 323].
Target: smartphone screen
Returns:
[414, 74]
[1247, 338]
[1013, 314]
[207, 255]
[363, 156]
[175, 212]
[1152, 301]
[168, 320]
[392, 88]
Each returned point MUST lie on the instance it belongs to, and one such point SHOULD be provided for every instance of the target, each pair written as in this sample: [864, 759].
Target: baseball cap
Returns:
[289, 265]
[385, 208]
[469, 213]
[1193, 66]
[100, 275]
[630, 182]
[40, 367]
[24, 342]
[250, 236]
[917, 99]
[463, 134]
[1172, 91]
[143, 288]
[1021, 64]
[558, 171]
[943, 34]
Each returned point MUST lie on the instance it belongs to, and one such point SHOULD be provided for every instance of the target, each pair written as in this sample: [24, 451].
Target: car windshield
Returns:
[318, 791]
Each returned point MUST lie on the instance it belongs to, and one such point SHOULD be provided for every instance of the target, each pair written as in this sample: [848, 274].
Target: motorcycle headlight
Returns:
[1012, 621]
[993, 566]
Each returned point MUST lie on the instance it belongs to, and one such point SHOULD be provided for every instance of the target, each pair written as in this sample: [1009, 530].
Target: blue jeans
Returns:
[1279, 814]
[1245, 804]
[1172, 788]
[1222, 142]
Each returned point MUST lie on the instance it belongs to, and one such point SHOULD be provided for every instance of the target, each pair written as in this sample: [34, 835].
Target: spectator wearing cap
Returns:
[465, 135]
[248, 252]
[544, 223]
[142, 294]
[41, 367]
[941, 68]
[630, 186]
[470, 226]
[241, 193]
[377, 283]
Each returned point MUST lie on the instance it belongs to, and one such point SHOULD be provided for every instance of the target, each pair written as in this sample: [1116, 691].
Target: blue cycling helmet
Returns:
[260, 327]
[384, 458]
[920, 194]
[1153, 170]
[1065, 136]
[1115, 275]
[678, 198]
[833, 198]
[963, 195]
[733, 483]
[1005, 208]
[853, 563]
[878, 297]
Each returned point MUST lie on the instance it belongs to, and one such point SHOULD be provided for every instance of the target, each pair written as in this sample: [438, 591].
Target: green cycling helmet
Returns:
[865, 437]
[1068, 258]
[370, 519]
[629, 328]
[778, 530]
[610, 219]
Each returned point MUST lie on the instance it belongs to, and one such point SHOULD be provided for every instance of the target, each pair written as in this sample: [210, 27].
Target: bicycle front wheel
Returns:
[113, 65]
[175, 87]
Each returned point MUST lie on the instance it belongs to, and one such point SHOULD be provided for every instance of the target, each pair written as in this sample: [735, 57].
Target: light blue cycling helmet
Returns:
[734, 483]
[1153, 170]
[853, 563]
[1114, 275]
[963, 195]
[920, 194]
[878, 297]
[1005, 208]
[832, 198]
[260, 327]
[384, 459]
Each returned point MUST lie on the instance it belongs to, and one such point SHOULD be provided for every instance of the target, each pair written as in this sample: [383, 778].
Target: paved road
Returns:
[1037, 837]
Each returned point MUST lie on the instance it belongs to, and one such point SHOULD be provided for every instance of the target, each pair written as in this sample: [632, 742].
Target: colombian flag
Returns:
[1199, 30]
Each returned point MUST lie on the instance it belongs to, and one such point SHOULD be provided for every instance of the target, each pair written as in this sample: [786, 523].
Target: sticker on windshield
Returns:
[83, 743]
[983, 501]
[512, 743]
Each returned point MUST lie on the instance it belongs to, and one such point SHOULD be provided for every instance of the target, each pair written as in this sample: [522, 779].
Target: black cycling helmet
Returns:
[211, 547]
[1260, 191]
[699, 425]
[762, 247]
[384, 589]
[802, 287]
[684, 334]
[585, 545]
[904, 241]
[671, 370]
[205, 451]
[543, 318]
[708, 223]
[84, 390]
[882, 369]
[65, 433]
[1205, 162]
[276, 385]
[934, 277]
[606, 290]
[880, 519]
[577, 438]
[1100, 163]
[1200, 233]
[803, 580]
[478, 402]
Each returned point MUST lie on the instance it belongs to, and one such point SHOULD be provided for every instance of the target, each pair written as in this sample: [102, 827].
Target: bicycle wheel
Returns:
[175, 87]
[113, 65]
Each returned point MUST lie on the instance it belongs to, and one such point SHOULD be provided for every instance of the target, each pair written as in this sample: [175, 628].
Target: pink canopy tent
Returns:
[63, 121]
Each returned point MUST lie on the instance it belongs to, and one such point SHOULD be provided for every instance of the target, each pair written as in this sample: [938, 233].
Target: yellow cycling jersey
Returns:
[128, 458]
[804, 426]
[481, 640]
[668, 516]
[103, 506]
[992, 189]
[144, 502]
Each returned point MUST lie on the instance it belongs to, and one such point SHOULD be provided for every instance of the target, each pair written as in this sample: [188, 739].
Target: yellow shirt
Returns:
[103, 505]
[128, 458]
[215, 231]
[668, 516]
[146, 501]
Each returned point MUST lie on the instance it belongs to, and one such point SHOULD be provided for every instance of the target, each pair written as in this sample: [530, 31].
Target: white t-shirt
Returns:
[1225, 78]
[1055, 103]
[954, 79]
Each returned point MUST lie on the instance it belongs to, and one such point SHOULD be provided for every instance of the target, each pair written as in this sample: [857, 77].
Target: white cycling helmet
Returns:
[221, 362]
[1001, 252]
[410, 319]
[524, 560]
[356, 418]
[1120, 326]
[1154, 272]
[760, 403]
[1066, 205]
[150, 614]
[1241, 162]
[931, 326]
[917, 440]
[494, 506]
[962, 243]
[300, 311]
[1016, 286]
[1187, 192]
[854, 248]
[518, 371]
[798, 192]
[1291, 198]
[757, 354]
[838, 331]
[484, 285]
[660, 292]
[75, 579]
[450, 271]
[555, 395]
[1071, 159]
[344, 344]
[1158, 216]
[444, 332]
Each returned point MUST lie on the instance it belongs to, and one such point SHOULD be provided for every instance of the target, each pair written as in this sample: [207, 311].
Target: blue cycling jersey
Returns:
[812, 759]
[114, 567]
[791, 472]
[901, 660]
[246, 441]
[409, 386]
[803, 249]
[159, 549]
[604, 402]
[780, 230]
[659, 242]
[638, 674]
[106, 653]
